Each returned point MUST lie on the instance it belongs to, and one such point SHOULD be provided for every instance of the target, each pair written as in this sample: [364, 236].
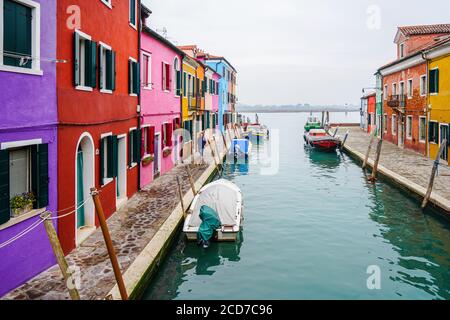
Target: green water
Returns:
[311, 231]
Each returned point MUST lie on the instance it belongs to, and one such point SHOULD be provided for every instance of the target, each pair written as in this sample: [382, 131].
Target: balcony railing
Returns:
[397, 102]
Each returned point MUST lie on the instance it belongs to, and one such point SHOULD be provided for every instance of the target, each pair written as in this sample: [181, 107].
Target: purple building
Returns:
[28, 133]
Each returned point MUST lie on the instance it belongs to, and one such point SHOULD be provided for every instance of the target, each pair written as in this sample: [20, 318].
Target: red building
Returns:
[98, 89]
[405, 87]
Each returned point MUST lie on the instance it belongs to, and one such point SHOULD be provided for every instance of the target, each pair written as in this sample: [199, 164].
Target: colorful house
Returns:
[363, 113]
[28, 136]
[227, 86]
[439, 98]
[405, 87]
[379, 105]
[98, 91]
[212, 79]
[160, 101]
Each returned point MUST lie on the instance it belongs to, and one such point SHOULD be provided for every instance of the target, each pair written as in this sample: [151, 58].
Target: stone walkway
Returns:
[408, 164]
[131, 228]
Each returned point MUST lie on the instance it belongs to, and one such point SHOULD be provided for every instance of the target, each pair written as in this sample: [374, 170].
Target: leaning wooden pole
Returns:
[433, 174]
[344, 141]
[180, 193]
[369, 148]
[213, 153]
[109, 244]
[59, 254]
[335, 132]
[224, 141]
[377, 160]
[191, 180]
[217, 148]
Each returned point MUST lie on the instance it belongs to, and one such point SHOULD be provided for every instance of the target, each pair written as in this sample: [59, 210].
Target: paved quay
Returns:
[140, 231]
[407, 168]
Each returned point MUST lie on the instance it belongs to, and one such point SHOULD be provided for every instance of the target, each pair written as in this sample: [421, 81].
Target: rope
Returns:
[37, 223]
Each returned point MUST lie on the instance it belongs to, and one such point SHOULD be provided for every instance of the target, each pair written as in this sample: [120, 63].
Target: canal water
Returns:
[314, 229]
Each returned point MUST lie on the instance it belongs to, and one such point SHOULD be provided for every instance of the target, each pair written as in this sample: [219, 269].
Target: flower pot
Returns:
[148, 160]
[20, 211]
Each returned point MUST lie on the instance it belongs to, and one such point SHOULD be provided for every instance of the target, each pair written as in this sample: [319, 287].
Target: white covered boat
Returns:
[225, 198]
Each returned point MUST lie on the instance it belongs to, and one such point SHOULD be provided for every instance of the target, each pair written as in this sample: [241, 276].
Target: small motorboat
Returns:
[215, 213]
[241, 148]
[321, 140]
[313, 123]
[256, 132]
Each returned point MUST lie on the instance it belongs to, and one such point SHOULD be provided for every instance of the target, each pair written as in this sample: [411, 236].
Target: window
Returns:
[188, 127]
[109, 158]
[385, 92]
[402, 50]
[177, 76]
[23, 172]
[433, 132]
[107, 69]
[184, 84]
[146, 70]
[394, 89]
[166, 76]
[20, 36]
[423, 85]
[134, 145]
[422, 129]
[133, 13]
[410, 88]
[133, 77]
[402, 88]
[434, 81]
[394, 125]
[85, 61]
[385, 122]
[148, 141]
[167, 130]
[369, 119]
[409, 127]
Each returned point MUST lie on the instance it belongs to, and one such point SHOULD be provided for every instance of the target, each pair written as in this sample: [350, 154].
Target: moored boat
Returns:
[313, 123]
[321, 140]
[218, 206]
[241, 148]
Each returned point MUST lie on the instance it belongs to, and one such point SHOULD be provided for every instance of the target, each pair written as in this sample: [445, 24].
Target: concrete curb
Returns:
[436, 199]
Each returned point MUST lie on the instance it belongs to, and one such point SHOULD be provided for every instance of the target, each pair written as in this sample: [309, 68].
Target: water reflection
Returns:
[323, 160]
[419, 239]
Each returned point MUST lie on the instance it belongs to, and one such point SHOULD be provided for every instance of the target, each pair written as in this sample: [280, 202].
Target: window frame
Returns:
[35, 40]
[420, 127]
[437, 124]
[429, 78]
[409, 127]
[423, 85]
[176, 68]
[134, 26]
[134, 94]
[131, 147]
[102, 47]
[82, 67]
[394, 89]
[147, 85]
[386, 92]
[385, 124]
[104, 174]
[394, 124]
[410, 88]
[402, 50]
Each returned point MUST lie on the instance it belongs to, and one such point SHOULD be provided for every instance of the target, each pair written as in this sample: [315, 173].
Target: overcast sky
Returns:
[296, 51]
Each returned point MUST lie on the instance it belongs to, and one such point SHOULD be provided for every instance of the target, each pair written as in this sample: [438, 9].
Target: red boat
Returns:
[319, 139]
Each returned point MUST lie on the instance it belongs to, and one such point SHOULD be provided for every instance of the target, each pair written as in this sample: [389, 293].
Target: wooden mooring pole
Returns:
[373, 178]
[344, 141]
[224, 141]
[369, 148]
[335, 132]
[191, 180]
[109, 244]
[180, 193]
[59, 254]
[217, 148]
[433, 174]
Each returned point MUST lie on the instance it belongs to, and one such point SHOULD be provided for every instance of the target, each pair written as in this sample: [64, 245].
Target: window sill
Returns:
[107, 4]
[83, 88]
[23, 217]
[33, 72]
[133, 95]
[147, 88]
[133, 165]
[422, 141]
[434, 94]
[107, 181]
[106, 91]
[133, 26]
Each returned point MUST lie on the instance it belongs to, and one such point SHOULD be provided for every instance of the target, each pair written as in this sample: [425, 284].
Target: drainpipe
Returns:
[139, 17]
[427, 109]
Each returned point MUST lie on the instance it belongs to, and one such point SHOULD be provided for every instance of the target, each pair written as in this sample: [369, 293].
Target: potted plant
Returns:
[167, 152]
[23, 203]
[148, 159]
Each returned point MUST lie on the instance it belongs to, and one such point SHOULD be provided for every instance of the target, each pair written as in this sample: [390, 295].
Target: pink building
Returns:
[212, 96]
[160, 101]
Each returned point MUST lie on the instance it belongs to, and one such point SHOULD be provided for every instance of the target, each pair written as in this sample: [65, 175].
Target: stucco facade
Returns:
[29, 116]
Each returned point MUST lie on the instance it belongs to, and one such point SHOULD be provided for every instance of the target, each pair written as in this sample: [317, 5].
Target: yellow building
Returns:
[189, 102]
[439, 98]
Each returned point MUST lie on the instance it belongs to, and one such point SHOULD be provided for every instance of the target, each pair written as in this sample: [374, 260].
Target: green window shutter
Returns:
[102, 160]
[109, 157]
[113, 70]
[4, 187]
[39, 172]
[133, 12]
[93, 70]
[437, 81]
[108, 70]
[137, 79]
[436, 133]
[130, 76]
[115, 156]
[76, 61]
[136, 146]
[434, 81]
[88, 63]
[17, 32]
[130, 148]
[178, 83]
[101, 70]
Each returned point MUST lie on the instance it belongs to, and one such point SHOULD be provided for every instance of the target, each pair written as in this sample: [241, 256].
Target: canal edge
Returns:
[144, 267]
[440, 203]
